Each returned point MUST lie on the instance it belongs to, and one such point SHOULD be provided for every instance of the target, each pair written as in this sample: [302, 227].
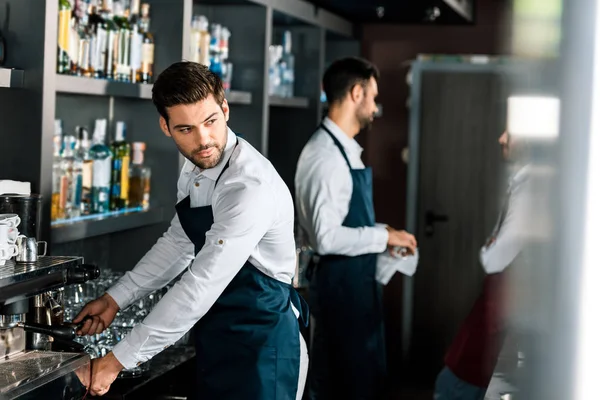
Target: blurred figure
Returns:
[334, 199]
[472, 356]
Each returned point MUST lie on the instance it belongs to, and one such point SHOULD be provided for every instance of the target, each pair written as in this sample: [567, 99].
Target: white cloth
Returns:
[15, 187]
[511, 231]
[303, 368]
[253, 220]
[323, 191]
[388, 265]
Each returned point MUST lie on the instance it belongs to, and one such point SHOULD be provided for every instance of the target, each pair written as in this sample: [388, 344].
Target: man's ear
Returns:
[164, 126]
[357, 93]
[225, 108]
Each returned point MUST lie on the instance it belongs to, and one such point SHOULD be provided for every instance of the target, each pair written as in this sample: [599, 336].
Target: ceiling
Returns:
[397, 11]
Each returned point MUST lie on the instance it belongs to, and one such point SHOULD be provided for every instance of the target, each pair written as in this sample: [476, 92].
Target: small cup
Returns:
[8, 234]
[8, 251]
[10, 219]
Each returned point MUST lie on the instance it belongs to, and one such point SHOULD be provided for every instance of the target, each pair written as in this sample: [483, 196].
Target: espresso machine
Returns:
[38, 357]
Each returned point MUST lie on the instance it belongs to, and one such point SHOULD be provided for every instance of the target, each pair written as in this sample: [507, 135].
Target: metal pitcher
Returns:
[28, 250]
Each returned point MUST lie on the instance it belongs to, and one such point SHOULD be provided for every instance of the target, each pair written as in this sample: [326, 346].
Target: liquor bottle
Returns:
[74, 45]
[204, 41]
[214, 49]
[64, 29]
[119, 194]
[102, 163]
[82, 152]
[122, 61]
[98, 44]
[145, 72]
[135, 60]
[72, 169]
[112, 31]
[139, 178]
[84, 59]
[59, 180]
[287, 66]
[134, 12]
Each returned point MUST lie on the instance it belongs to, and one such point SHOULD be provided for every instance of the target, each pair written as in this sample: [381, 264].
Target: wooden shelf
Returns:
[64, 231]
[101, 87]
[292, 102]
[11, 78]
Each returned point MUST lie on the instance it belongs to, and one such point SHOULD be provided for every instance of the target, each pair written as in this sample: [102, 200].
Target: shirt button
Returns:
[197, 184]
[221, 241]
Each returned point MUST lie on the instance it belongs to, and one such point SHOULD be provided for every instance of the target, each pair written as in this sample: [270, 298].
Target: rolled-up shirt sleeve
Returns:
[244, 209]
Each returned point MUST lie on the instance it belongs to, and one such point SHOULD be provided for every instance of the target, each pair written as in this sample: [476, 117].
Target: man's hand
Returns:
[401, 239]
[104, 372]
[98, 315]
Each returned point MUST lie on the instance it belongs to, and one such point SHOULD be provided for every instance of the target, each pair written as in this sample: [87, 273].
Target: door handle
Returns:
[431, 218]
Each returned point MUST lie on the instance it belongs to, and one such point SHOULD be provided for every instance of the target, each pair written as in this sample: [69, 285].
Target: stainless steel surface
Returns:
[28, 249]
[12, 341]
[18, 281]
[25, 373]
[10, 321]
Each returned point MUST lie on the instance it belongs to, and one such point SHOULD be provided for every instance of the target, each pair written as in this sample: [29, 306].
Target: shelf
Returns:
[238, 97]
[293, 102]
[64, 231]
[11, 78]
[102, 87]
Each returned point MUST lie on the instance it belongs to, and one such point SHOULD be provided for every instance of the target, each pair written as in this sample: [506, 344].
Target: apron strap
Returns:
[301, 305]
[227, 164]
[337, 143]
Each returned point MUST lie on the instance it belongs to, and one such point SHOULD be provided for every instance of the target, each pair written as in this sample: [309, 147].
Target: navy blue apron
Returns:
[348, 347]
[247, 345]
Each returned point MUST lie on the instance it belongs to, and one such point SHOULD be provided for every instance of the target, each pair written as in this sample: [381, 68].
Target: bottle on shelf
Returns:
[214, 49]
[98, 28]
[112, 31]
[64, 29]
[72, 169]
[74, 44]
[275, 53]
[145, 73]
[121, 150]
[84, 35]
[139, 178]
[101, 156]
[59, 180]
[82, 152]
[123, 42]
[287, 66]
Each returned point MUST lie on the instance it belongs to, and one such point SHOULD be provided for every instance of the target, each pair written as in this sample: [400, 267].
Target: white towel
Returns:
[15, 187]
[388, 265]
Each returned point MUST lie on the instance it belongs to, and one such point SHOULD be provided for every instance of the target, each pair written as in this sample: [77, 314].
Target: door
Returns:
[460, 170]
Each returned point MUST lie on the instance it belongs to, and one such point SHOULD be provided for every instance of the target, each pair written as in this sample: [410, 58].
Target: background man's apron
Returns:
[348, 356]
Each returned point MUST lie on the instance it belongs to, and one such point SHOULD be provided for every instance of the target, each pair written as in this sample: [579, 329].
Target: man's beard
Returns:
[206, 163]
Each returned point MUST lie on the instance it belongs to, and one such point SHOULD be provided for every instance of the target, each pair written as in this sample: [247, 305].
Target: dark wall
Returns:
[391, 48]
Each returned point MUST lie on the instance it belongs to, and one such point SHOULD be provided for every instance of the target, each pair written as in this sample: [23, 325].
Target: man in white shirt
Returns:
[234, 224]
[472, 357]
[334, 201]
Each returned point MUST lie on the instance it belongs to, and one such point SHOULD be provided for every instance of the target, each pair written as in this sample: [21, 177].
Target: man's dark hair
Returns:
[185, 83]
[344, 74]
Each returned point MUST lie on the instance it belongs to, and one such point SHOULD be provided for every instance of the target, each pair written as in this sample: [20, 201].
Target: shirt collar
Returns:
[520, 176]
[348, 143]
[214, 172]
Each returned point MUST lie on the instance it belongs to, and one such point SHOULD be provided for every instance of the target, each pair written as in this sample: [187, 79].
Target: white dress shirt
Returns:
[253, 221]
[510, 233]
[323, 192]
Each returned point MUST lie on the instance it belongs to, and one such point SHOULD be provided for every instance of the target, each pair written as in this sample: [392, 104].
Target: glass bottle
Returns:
[102, 163]
[287, 65]
[120, 171]
[146, 71]
[59, 180]
[204, 41]
[72, 169]
[98, 27]
[82, 152]
[139, 178]
[64, 29]
[112, 31]
[123, 51]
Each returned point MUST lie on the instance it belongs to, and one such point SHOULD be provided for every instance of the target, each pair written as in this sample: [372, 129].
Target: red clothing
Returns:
[474, 352]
